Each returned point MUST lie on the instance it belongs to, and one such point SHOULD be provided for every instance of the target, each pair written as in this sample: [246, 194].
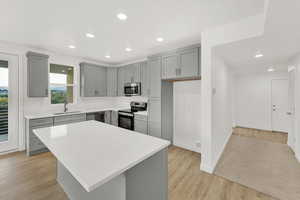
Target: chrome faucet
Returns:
[65, 105]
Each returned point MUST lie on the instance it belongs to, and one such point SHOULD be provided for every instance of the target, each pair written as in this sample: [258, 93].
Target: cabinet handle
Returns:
[179, 71]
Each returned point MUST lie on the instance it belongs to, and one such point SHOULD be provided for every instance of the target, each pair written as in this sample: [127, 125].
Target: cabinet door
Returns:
[145, 79]
[101, 82]
[135, 70]
[37, 74]
[121, 81]
[114, 118]
[112, 82]
[68, 119]
[154, 120]
[107, 117]
[127, 74]
[170, 66]
[189, 63]
[93, 80]
[141, 126]
[155, 77]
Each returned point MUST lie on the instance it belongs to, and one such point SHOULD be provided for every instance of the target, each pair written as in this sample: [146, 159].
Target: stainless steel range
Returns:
[126, 117]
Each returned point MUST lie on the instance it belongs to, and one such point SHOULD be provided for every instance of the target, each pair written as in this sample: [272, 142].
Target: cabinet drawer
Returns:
[141, 117]
[68, 122]
[42, 121]
[69, 118]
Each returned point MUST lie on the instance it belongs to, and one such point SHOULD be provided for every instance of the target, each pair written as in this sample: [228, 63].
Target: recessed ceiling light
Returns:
[107, 56]
[72, 47]
[258, 55]
[89, 35]
[128, 49]
[160, 39]
[122, 16]
[271, 69]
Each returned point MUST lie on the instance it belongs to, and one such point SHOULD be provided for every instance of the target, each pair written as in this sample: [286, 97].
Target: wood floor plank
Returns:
[34, 178]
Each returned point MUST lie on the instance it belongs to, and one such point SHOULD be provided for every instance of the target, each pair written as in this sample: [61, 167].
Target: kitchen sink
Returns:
[66, 113]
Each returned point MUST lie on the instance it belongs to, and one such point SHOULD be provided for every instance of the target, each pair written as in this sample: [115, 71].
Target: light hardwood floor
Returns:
[33, 178]
[270, 136]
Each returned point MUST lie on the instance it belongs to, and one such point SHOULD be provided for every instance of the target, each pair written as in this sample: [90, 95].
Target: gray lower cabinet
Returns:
[141, 123]
[33, 143]
[37, 74]
[68, 119]
[107, 117]
[114, 118]
[93, 80]
[112, 81]
[154, 118]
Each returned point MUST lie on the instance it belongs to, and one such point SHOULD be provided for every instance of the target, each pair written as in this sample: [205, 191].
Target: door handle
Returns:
[289, 113]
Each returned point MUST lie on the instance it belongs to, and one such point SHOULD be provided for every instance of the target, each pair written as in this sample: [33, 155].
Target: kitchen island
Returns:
[100, 161]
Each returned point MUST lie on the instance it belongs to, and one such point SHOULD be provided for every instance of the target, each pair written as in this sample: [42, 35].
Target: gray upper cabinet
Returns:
[189, 63]
[128, 74]
[170, 66]
[112, 81]
[93, 80]
[154, 65]
[145, 79]
[132, 73]
[121, 81]
[181, 64]
[37, 74]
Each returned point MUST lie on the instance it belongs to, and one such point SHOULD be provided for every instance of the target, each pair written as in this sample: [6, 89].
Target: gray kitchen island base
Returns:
[147, 180]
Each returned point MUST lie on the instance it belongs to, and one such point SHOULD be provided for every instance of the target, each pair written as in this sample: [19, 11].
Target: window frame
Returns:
[64, 85]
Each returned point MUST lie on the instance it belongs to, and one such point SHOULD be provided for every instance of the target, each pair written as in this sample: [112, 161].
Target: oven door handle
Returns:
[126, 114]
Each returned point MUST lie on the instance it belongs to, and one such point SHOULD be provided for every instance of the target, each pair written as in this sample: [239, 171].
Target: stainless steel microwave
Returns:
[132, 89]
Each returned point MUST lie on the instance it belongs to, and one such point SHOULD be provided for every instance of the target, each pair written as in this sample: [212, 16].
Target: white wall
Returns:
[296, 63]
[42, 105]
[187, 118]
[253, 99]
[222, 83]
[243, 29]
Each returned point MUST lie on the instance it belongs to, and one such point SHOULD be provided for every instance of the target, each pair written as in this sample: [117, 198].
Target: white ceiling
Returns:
[55, 24]
[279, 43]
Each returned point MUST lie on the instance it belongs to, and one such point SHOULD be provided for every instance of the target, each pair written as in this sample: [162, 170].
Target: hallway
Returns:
[261, 160]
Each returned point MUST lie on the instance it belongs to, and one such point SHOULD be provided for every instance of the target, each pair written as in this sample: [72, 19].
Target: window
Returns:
[61, 83]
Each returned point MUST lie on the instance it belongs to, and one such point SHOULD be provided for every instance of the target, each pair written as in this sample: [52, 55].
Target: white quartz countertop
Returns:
[45, 115]
[95, 152]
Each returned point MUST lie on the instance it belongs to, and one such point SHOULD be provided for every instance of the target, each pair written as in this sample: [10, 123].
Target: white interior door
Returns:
[9, 103]
[291, 109]
[279, 98]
